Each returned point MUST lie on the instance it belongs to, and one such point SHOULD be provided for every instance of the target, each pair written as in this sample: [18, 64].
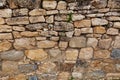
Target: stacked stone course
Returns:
[59, 40]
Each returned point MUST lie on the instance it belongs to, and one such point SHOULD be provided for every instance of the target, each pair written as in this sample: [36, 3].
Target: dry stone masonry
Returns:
[59, 39]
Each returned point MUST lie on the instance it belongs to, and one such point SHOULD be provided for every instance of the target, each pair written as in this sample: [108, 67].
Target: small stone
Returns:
[37, 12]
[5, 28]
[18, 28]
[50, 19]
[33, 78]
[48, 67]
[24, 43]
[5, 13]
[49, 4]
[77, 75]
[116, 43]
[112, 31]
[20, 12]
[27, 68]
[46, 44]
[2, 21]
[63, 45]
[38, 54]
[77, 42]
[86, 53]
[61, 5]
[99, 30]
[116, 25]
[76, 17]
[105, 43]
[82, 23]
[5, 45]
[29, 34]
[54, 38]
[71, 54]
[17, 21]
[6, 36]
[40, 38]
[69, 34]
[63, 76]
[86, 30]
[52, 12]
[98, 21]
[61, 17]
[54, 52]
[101, 54]
[12, 4]
[2, 3]
[92, 42]
[16, 34]
[37, 19]
[115, 53]
[12, 55]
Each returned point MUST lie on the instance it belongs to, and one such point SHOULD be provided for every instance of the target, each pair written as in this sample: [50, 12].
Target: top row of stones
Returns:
[52, 4]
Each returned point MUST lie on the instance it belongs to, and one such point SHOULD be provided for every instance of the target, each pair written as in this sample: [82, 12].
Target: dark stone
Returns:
[26, 68]
[0, 65]
[33, 78]
[115, 53]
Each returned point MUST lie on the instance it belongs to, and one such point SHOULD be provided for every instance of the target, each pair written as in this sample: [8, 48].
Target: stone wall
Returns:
[59, 40]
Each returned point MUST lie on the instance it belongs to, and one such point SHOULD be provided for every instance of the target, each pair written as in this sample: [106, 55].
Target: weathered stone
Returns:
[112, 14]
[46, 44]
[100, 3]
[82, 23]
[61, 17]
[61, 5]
[63, 76]
[86, 53]
[50, 19]
[99, 30]
[27, 68]
[77, 32]
[29, 34]
[12, 55]
[54, 38]
[115, 53]
[54, 52]
[20, 12]
[34, 27]
[63, 26]
[17, 20]
[12, 4]
[112, 31]
[76, 17]
[114, 18]
[5, 13]
[71, 54]
[101, 54]
[2, 21]
[69, 34]
[37, 12]
[117, 67]
[24, 43]
[113, 4]
[116, 42]
[116, 25]
[77, 75]
[63, 45]
[19, 77]
[18, 28]
[40, 38]
[92, 42]
[5, 28]
[112, 75]
[33, 77]
[16, 34]
[37, 19]
[98, 21]
[47, 67]
[9, 67]
[77, 42]
[105, 43]
[5, 45]
[49, 4]
[86, 30]
[6, 36]
[52, 12]
[2, 3]
[38, 54]
[104, 10]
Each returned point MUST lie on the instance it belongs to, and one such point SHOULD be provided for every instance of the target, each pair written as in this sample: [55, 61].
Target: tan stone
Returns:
[6, 36]
[63, 76]
[20, 77]
[101, 54]
[116, 42]
[12, 4]
[46, 44]
[18, 28]
[86, 53]
[86, 30]
[114, 18]
[2, 21]
[52, 12]
[61, 5]
[82, 23]
[29, 34]
[49, 4]
[99, 30]
[71, 54]
[5, 28]
[5, 45]
[5, 13]
[76, 17]
[37, 19]
[77, 32]
[38, 54]
[16, 34]
[50, 19]
[24, 43]
[116, 25]
[99, 21]
[113, 4]
[37, 12]
[63, 45]
[20, 12]
[112, 31]
[92, 42]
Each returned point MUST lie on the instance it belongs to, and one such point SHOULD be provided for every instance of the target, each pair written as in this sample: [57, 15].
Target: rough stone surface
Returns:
[77, 42]
[37, 19]
[49, 5]
[5, 45]
[37, 12]
[114, 3]
[2, 21]
[38, 54]
[99, 30]
[6, 36]
[61, 5]
[98, 21]
[92, 42]
[112, 31]
[115, 53]
[76, 17]
[5, 28]
[6, 13]
[117, 42]
[117, 25]
[12, 55]
[54, 52]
